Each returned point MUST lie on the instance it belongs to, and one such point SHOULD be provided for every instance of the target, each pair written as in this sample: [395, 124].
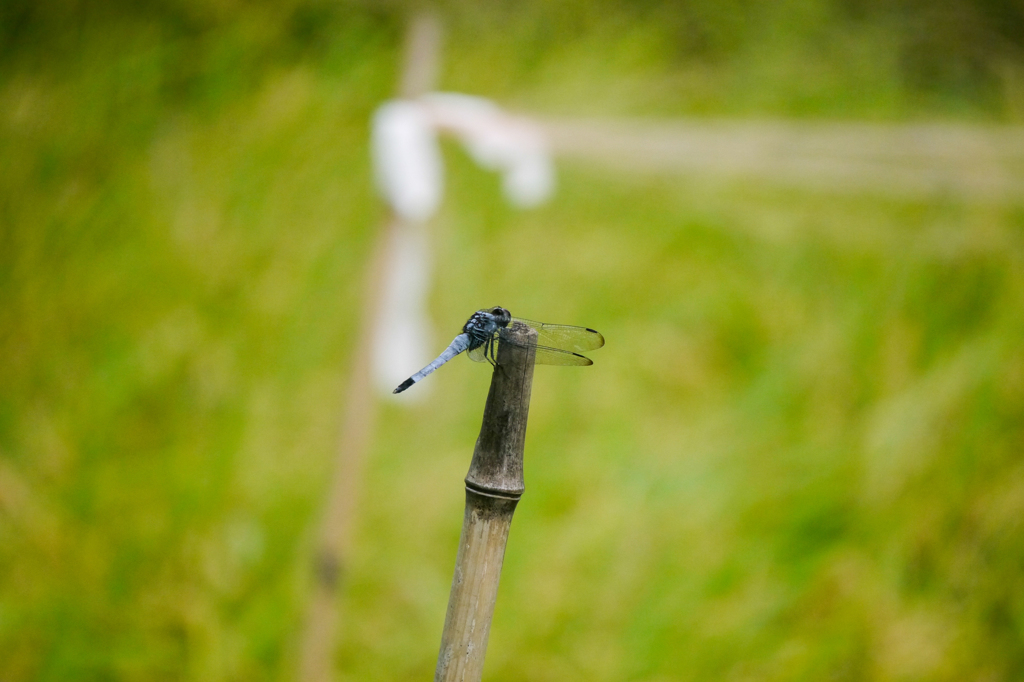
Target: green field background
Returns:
[799, 456]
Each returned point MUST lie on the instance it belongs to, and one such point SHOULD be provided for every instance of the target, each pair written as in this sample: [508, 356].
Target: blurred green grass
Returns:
[797, 458]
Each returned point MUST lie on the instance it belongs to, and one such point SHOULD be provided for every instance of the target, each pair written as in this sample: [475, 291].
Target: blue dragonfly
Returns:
[556, 344]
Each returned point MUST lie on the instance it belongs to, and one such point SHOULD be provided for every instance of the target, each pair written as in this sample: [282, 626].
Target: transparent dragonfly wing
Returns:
[479, 354]
[556, 356]
[545, 355]
[564, 337]
[557, 344]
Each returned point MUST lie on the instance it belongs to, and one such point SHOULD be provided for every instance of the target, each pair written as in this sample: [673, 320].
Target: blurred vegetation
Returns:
[797, 458]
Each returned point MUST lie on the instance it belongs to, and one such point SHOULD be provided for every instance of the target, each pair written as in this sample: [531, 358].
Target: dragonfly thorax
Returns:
[484, 323]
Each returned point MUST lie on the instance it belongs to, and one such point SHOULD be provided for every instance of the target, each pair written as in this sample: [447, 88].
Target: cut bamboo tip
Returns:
[494, 485]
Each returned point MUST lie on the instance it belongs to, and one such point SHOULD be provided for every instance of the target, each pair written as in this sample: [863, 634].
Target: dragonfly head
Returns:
[500, 315]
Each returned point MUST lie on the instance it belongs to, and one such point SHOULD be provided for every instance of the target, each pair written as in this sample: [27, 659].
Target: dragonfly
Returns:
[556, 344]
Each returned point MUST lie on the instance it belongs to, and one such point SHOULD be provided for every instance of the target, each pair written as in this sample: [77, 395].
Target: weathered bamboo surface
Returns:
[494, 485]
[467, 623]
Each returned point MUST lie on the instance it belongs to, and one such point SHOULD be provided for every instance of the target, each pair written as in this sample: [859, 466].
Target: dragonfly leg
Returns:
[489, 352]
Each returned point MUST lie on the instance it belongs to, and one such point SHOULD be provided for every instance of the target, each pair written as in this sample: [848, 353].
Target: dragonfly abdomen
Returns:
[459, 344]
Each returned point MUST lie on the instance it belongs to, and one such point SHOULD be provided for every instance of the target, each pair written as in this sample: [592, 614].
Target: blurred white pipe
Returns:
[512, 145]
[975, 163]
[407, 159]
[403, 337]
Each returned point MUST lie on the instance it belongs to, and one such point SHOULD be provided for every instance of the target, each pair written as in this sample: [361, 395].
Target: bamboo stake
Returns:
[494, 485]
[316, 645]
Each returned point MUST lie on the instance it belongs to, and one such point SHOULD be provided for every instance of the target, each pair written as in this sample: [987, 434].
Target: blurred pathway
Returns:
[915, 160]
[323, 617]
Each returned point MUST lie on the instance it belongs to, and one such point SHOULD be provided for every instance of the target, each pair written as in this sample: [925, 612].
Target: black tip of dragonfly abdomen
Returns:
[404, 385]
